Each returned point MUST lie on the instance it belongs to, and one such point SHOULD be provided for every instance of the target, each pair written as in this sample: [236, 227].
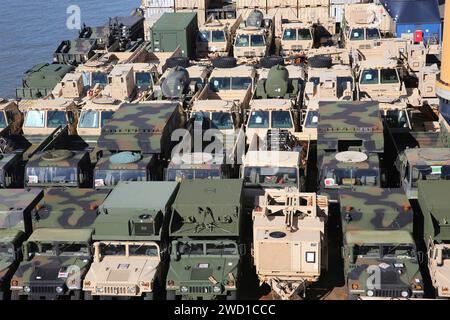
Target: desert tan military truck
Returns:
[254, 40]
[289, 240]
[215, 37]
[297, 39]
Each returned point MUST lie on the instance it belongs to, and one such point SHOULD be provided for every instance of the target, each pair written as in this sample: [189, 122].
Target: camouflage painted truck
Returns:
[435, 207]
[205, 230]
[17, 208]
[289, 240]
[136, 144]
[381, 260]
[350, 146]
[130, 259]
[57, 255]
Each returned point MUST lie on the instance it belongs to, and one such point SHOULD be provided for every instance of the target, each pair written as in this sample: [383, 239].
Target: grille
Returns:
[115, 290]
[392, 293]
[297, 48]
[43, 289]
[249, 53]
[200, 289]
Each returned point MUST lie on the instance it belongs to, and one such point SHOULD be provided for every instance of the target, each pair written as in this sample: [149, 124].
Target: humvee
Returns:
[289, 240]
[130, 238]
[215, 37]
[17, 209]
[379, 252]
[58, 253]
[297, 39]
[432, 198]
[205, 229]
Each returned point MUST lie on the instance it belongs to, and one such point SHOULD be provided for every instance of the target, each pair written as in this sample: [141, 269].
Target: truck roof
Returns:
[428, 156]
[433, 199]
[271, 104]
[174, 21]
[46, 104]
[239, 71]
[360, 237]
[63, 235]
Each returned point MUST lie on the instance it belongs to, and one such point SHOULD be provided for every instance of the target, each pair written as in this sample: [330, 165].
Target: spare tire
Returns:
[320, 62]
[269, 62]
[177, 61]
[224, 62]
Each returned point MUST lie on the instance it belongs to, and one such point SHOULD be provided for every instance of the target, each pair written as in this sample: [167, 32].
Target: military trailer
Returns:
[39, 81]
[379, 252]
[75, 52]
[205, 229]
[432, 198]
[289, 240]
[130, 241]
[137, 142]
[17, 209]
[296, 40]
[58, 253]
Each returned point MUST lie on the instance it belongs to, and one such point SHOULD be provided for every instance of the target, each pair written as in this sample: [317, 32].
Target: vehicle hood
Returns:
[441, 277]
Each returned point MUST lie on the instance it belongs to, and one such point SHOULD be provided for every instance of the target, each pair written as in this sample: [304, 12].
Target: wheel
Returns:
[232, 295]
[88, 295]
[177, 61]
[320, 62]
[15, 295]
[224, 62]
[170, 295]
[2, 295]
[269, 62]
[148, 296]
[76, 295]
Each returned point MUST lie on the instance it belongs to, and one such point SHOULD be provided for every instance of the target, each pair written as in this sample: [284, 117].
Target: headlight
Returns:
[59, 289]
[217, 289]
[27, 289]
[370, 293]
[405, 294]
[132, 290]
[184, 289]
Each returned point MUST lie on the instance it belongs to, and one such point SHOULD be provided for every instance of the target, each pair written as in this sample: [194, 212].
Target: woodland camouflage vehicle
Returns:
[380, 256]
[17, 207]
[130, 237]
[137, 141]
[435, 208]
[205, 228]
[58, 253]
[289, 241]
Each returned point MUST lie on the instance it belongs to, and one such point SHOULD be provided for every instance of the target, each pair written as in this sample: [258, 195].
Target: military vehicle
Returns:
[380, 255]
[205, 229]
[75, 52]
[17, 208]
[254, 40]
[39, 81]
[58, 253]
[130, 238]
[137, 142]
[11, 116]
[432, 198]
[215, 37]
[275, 80]
[296, 40]
[289, 240]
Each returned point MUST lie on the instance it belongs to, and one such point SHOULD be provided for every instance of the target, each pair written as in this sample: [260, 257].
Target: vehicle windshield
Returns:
[221, 249]
[290, 34]
[218, 36]
[357, 34]
[109, 249]
[6, 250]
[73, 249]
[106, 116]
[88, 119]
[56, 119]
[58, 248]
[3, 122]
[429, 173]
[304, 34]
[240, 83]
[42, 249]
[190, 248]
[353, 176]
[373, 33]
[55, 175]
[281, 120]
[99, 77]
[222, 120]
[258, 40]
[369, 76]
[34, 119]
[222, 83]
[143, 250]
[312, 119]
[272, 177]
[446, 253]
[193, 174]
[398, 251]
[389, 76]
[200, 116]
[113, 177]
[242, 41]
[259, 119]
[203, 36]
[368, 251]
[143, 79]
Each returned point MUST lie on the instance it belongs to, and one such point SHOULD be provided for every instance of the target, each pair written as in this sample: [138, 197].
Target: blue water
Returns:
[30, 30]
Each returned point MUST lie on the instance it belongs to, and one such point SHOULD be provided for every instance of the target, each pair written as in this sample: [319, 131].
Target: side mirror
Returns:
[242, 250]
[439, 258]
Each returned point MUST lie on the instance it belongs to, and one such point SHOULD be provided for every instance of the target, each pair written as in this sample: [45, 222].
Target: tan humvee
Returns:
[297, 39]
[289, 241]
[439, 267]
[123, 274]
[215, 37]
[252, 43]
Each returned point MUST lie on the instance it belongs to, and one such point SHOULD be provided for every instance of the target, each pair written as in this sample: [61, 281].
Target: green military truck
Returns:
[131, 241]
[137, 142]
[205, 229]
[435, 206]
[17, 207]
[58, 253]
[379, 252]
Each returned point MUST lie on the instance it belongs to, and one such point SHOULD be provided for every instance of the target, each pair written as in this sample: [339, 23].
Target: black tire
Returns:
[269, 62]
[2, 295]
[224, 62]
[15, 295]
[232, 296]
[76, 295]
[88, 296]
[177, 61]
[148, 296]
[170, 295]
[320, 62]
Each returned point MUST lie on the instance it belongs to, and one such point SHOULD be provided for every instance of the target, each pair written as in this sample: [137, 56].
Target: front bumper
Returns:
[200, 291]
[109, 290]
[43, 291]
